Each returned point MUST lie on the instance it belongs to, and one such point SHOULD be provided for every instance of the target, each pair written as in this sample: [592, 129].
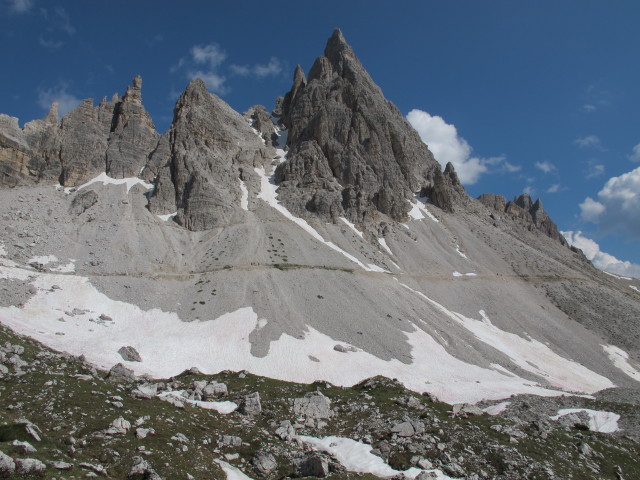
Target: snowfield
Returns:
[100, 326]
[599, 421]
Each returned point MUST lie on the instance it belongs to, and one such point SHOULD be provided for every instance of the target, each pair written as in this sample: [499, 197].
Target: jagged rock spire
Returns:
[351, 152]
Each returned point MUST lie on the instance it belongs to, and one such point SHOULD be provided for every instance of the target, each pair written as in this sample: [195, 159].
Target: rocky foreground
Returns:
[64, 419]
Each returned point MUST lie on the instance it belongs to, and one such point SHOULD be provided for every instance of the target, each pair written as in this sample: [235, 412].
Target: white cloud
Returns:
[595, 169]
[20, 6]
[600, 259]
[447, 146]
[635, 154]
[545, 166]
[553, 188]
[214, 81]
[211, 55]
[590, 141]
[618, 204]
[272, 68]
[66, 101]
[529, 190]
[589, 108]
[62, 21]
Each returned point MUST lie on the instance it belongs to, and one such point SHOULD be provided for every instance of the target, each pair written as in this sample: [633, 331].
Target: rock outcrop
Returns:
[351, 152]
[207, 145]
[116, 136]
[523, 210]
[133, 135]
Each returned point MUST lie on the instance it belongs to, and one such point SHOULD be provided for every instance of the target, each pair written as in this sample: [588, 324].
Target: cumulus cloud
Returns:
[545, 166]
[20, 6]
[66, 101]
[447, 146]
[556, 187]
[205, 61]
[635, 154]
[600, 259]
[590, 141]
[272, 68]
[617, 205]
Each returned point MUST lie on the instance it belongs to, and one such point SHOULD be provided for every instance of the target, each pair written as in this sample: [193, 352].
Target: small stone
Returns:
[130, 354]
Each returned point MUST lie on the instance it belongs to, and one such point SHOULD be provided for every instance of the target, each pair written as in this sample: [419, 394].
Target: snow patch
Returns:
[496, 409]
[68, 268]
[169, 346]
[634, 288]
[3, 252]
[232, 472]
[244, 199]
[357, 457]
[43, 259]
[268, 193]
[458, 274]
[599, 421]
[352, 227]
[616, 276]
[383, 242]
[221, 407]
[620, 359]
[107, 180]
[460, 252]
[529, 354]
[167, 217]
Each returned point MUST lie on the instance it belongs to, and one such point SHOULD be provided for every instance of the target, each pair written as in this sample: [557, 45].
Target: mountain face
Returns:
[320, 243]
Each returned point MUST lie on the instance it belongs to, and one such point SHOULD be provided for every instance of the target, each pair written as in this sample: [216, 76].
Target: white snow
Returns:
[617, 276]
[107, 180]
[169, 346]
[352, 227]
[634, 288]
[458, 274]
[244, 199]
[268, 193]
[529, 354]
[460, 252]
[67, 268]
[357, 457]
[3, 252]
[232, 472]
[220, 407]
[496, 409]
[166, 217]
[599, 421]
[43, 259]
[383, 242]
[620, 359]
[419, 209]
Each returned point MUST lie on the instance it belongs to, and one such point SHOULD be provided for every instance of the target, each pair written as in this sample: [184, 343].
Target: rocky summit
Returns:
[296, 291]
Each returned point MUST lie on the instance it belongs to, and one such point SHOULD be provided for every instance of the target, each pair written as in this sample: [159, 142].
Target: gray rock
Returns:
[145, 391]
[119, 426]
[263, 463]
[466, 410]
[24, 447]
[142, 470]
[208, 143]
[130, 354]
[7, 465]
[260, 119]
[351, 152]
[313, 405]
[285, 431]
[59, 465]
[99, 469]
[426, 476]
[214, 390]
[121, 374]
[230, 441]
[133, 136]
[83, 201]
[316, 464]
[29, 466]
[250, 404]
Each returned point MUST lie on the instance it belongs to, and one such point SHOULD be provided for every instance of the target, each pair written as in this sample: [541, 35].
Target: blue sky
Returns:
[535, 96]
